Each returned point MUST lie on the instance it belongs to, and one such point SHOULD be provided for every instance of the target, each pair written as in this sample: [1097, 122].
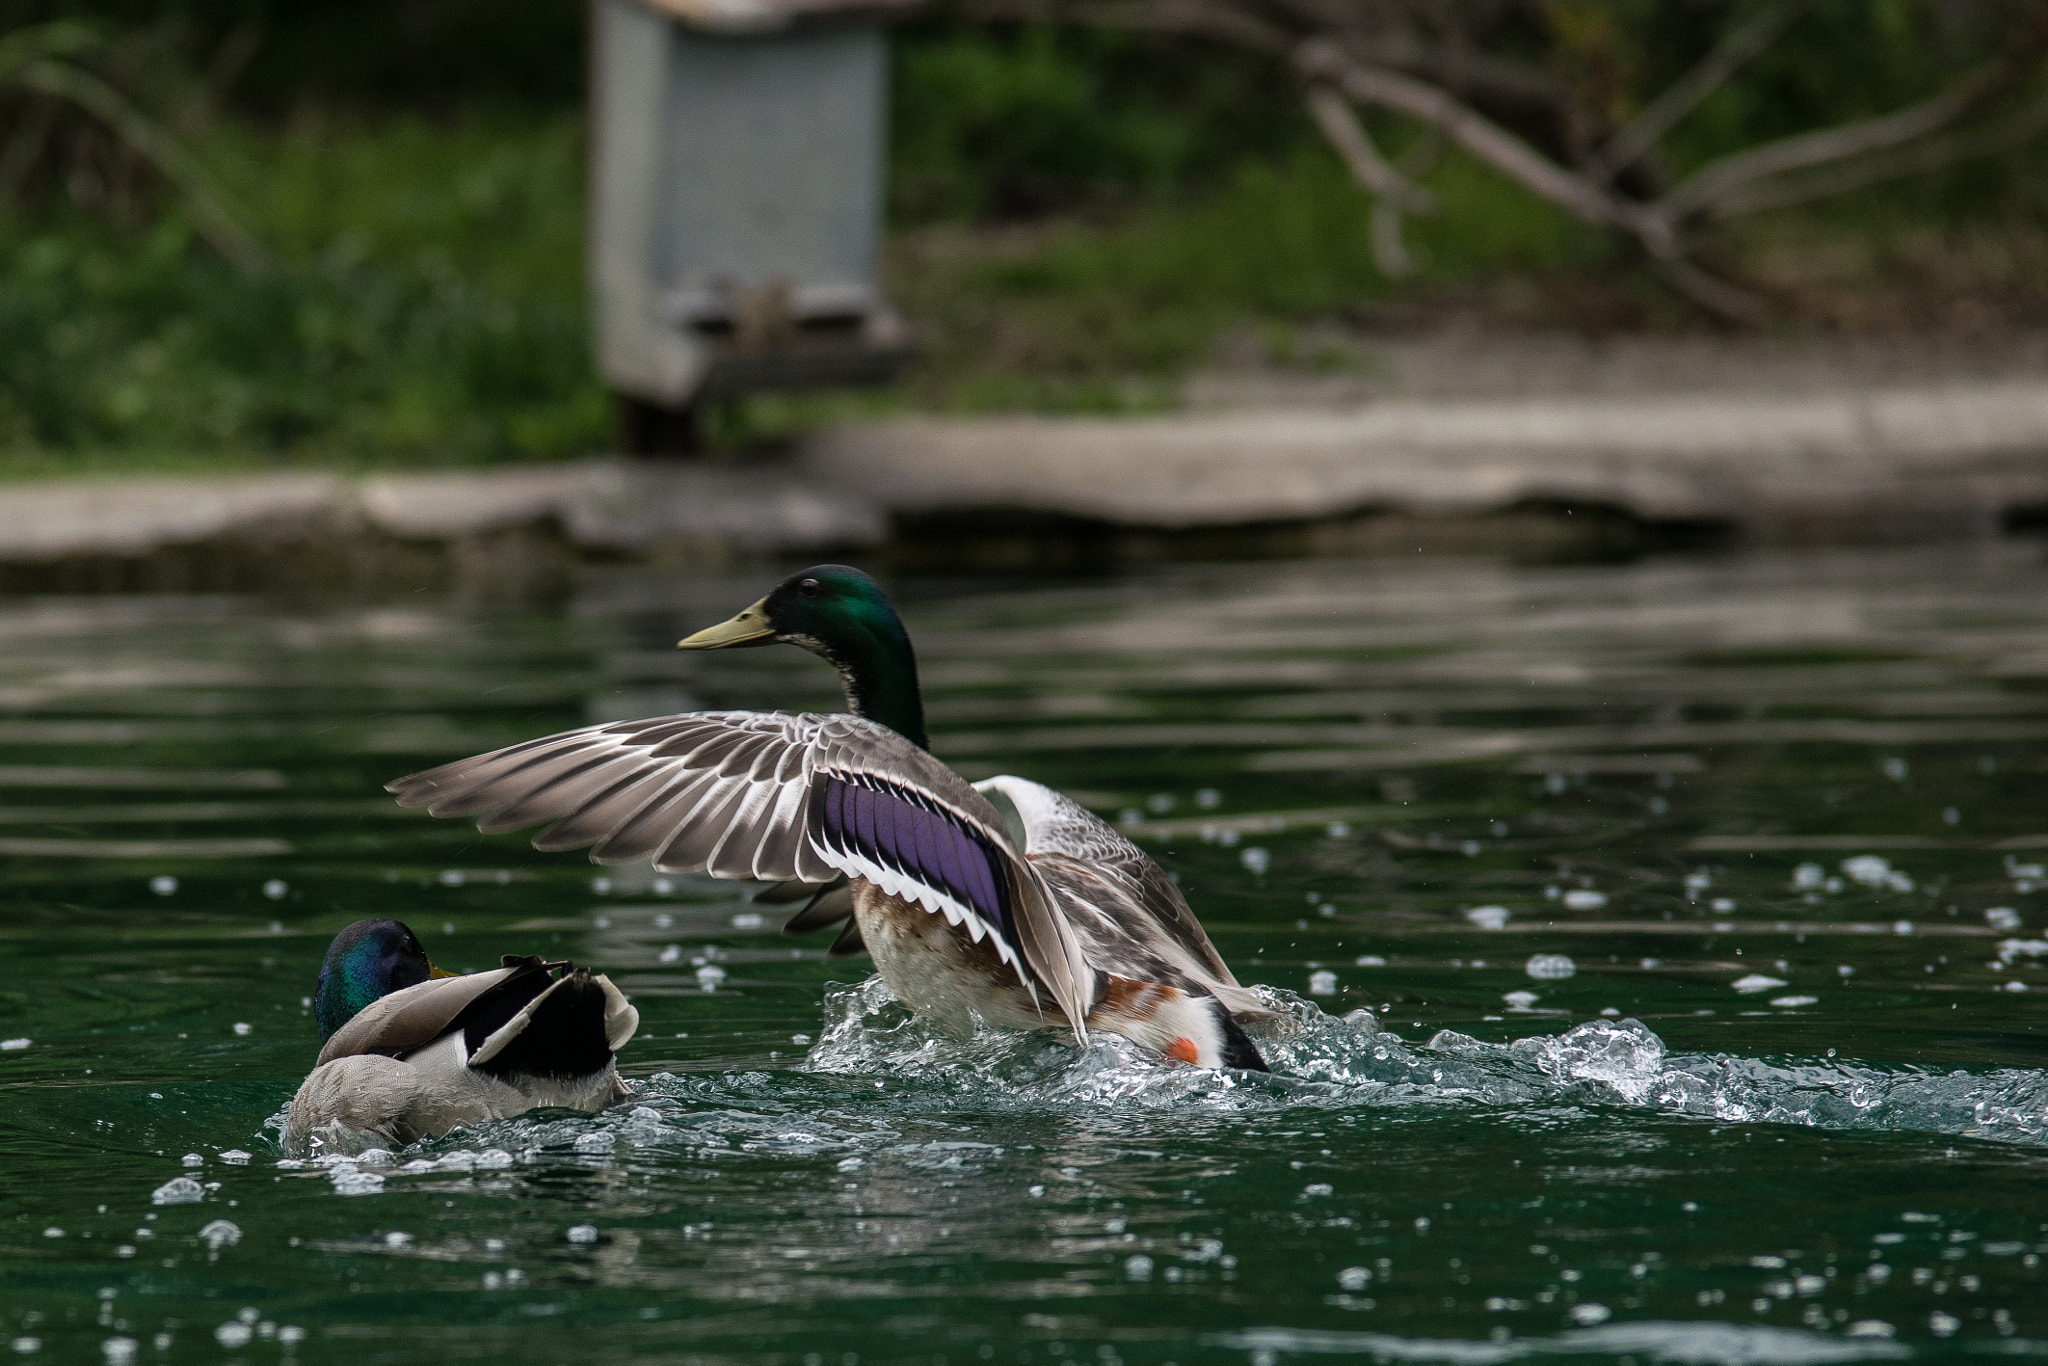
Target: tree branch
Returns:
[1320, 60]
[1592, 203]
[1872, 170]
[1641, 133]
[1697, 193]
[1333, 115]
[1391, 191]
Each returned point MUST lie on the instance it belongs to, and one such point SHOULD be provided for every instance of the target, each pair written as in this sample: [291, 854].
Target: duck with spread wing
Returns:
[1000, 901]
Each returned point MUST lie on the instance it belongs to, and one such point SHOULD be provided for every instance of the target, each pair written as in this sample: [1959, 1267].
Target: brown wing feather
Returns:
[1049, 946]
[410, 1018]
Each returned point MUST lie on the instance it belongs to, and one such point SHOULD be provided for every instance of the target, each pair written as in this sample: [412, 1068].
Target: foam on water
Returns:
[1681, 1343]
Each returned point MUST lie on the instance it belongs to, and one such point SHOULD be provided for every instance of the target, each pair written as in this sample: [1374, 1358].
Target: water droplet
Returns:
[219, 1234]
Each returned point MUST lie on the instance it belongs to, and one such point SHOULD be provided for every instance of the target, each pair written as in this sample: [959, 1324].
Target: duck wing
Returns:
[411, 1018]
[1132, 919]
[776, 797]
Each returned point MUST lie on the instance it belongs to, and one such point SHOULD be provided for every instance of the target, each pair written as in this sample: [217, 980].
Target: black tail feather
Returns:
[565, 1037]
[1238, 1048]
[832, 904]
[849, 942]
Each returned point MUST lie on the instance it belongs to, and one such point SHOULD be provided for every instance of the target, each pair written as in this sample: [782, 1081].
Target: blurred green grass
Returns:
[425, 307]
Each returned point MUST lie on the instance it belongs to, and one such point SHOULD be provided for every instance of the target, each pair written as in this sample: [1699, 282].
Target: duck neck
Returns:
[879, 670]
[345, 988]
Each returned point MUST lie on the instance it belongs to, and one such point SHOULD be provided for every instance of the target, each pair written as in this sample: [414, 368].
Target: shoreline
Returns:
[1580, 475]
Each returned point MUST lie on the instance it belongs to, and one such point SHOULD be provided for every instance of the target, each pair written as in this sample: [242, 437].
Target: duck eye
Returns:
[809, 588]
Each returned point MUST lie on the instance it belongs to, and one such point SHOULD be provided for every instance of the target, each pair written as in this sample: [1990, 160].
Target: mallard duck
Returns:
[1001, 901]
[409, 1051]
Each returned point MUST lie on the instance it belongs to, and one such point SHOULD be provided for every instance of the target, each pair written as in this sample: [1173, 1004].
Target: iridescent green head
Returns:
[368, 960]
[839, 613]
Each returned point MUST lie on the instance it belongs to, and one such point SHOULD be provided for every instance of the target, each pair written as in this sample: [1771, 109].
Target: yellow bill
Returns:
[750, 627]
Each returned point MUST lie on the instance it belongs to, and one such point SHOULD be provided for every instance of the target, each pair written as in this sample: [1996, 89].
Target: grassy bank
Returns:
[1072, 232]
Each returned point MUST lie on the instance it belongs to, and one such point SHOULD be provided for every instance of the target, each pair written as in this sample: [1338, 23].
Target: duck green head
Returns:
[840, 614]
[368, 960]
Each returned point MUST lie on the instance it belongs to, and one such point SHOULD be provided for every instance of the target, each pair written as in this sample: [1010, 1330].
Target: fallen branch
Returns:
[2023, 127]
[1321, 60]
[1392, 192]
[1640, 134]
[1720, 179]
[1341, 66]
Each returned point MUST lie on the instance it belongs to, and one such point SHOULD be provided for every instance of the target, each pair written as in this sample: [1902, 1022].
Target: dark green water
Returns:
[1771, 1115]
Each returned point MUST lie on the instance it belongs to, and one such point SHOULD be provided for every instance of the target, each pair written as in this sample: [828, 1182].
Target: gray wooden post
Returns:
[738, 156]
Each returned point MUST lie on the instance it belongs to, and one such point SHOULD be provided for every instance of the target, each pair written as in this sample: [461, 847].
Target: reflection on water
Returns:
[1659, 952]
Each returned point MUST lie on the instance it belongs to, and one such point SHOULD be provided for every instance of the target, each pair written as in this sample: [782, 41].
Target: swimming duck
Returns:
[409, 1051]
[1002, 901]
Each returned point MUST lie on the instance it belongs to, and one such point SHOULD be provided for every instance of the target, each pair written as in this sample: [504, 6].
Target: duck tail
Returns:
[1238, 1048]
[1188, 1026]
[572, 1029]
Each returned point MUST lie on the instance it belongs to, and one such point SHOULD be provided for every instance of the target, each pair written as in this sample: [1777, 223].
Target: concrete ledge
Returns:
[1854, 464]
[1951, 456]
[56, 519]
[601, 507]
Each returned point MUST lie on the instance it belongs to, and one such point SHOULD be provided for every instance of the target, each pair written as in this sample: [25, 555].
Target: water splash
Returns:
[1326, 1061]
[1320, 1062]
